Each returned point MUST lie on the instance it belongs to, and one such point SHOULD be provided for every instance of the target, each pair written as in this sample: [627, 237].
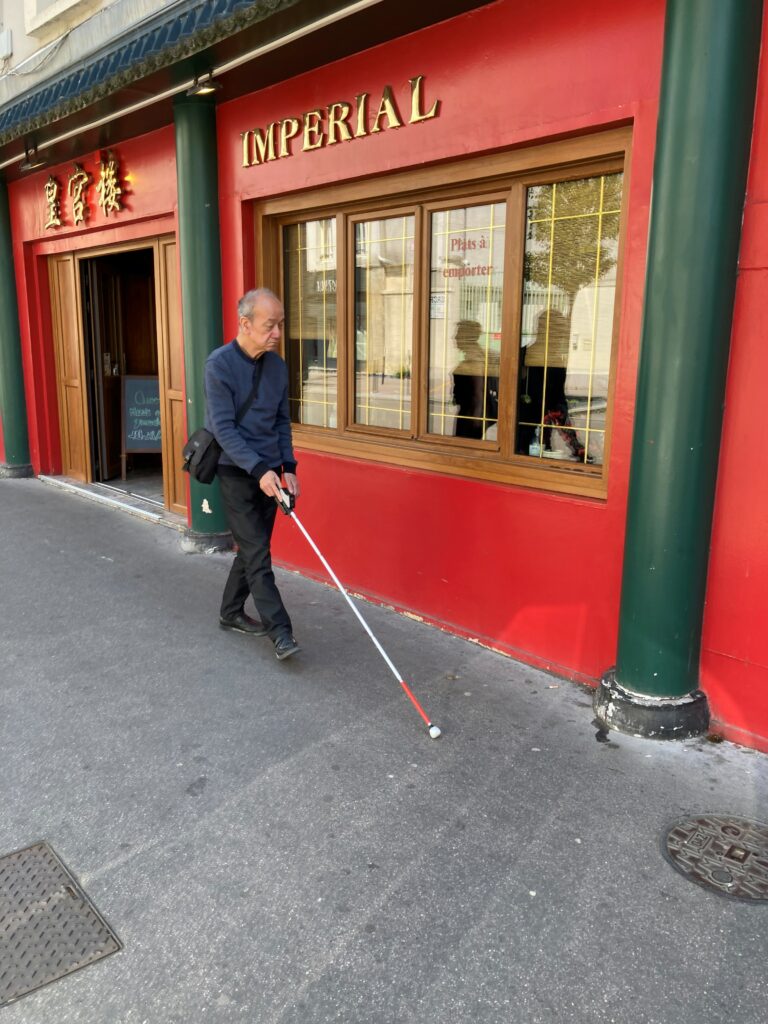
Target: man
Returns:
[475, 383]
[255, 437]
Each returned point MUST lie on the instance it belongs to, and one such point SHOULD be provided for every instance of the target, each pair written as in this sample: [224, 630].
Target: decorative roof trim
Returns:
[188, 33]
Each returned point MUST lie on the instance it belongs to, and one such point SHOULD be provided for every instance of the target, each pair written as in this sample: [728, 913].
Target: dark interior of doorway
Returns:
[120, 330]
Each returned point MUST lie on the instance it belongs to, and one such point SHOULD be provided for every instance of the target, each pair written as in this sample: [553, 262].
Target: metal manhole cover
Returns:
[48, 926]
[727, 855]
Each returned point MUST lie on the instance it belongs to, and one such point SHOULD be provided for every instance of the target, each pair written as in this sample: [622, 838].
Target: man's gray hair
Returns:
[251, 299]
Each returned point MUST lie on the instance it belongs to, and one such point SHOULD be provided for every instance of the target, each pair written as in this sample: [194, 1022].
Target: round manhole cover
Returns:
[727, 855]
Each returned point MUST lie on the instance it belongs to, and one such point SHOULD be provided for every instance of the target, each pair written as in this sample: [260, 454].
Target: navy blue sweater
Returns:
[262, 439]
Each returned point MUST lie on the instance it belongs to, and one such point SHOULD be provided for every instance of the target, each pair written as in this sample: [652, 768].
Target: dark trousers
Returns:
[251, 517]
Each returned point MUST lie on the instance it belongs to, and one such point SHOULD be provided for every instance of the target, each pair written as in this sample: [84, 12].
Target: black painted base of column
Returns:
[195, 543]
[8, 472]
[660, 718]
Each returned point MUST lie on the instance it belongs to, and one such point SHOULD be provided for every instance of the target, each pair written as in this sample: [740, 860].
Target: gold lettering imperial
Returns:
[340, 121]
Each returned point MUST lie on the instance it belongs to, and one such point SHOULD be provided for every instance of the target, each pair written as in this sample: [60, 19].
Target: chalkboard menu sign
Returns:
[141, 415]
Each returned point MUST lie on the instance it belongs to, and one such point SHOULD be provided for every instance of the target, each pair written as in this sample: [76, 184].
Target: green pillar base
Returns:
[8, 472]
[196, 543]
[660, 718]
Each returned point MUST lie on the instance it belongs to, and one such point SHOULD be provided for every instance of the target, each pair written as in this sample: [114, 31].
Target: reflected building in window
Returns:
[569, 287]
[384, 276]
[310, 270]
[465, 327]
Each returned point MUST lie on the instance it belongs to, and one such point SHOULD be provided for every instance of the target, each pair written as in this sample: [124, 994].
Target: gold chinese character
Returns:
[109, 186]
[78, 182]
[52, 198]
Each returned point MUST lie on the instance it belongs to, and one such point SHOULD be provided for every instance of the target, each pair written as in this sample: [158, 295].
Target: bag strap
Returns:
[257, 371]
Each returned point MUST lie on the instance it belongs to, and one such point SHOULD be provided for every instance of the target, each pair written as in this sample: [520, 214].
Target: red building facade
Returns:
[479, 536]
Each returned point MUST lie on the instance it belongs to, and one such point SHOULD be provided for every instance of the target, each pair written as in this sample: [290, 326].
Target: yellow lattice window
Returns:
[383, 300]
[458, 318]
[309, 255]
[465, 299]
[569, 284]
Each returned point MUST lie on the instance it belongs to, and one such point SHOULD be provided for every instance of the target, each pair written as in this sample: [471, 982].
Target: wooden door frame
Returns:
[154, 242]
[58, 338]
[169, 395]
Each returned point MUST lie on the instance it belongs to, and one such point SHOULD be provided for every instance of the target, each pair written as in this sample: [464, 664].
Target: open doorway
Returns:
[118, 345]
[121, 358]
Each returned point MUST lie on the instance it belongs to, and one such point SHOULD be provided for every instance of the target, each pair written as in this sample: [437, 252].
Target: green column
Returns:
[13, 409]
[709, 74]
[200, 262]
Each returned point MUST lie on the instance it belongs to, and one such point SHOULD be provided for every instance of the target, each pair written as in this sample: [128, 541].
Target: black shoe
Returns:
[285, 646]
[243, 623]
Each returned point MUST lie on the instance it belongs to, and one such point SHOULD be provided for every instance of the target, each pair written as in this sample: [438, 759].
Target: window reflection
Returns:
[466, 280]
[475, 383]
[571, 248]
[309, 257]
[384, 255]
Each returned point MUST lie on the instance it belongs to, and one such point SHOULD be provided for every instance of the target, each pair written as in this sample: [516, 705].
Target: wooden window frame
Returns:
[362, 430]
[490, 197]
[424, 191]
[275, 281]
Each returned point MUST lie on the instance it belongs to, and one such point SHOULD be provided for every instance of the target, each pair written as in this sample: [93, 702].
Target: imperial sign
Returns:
[338, 122]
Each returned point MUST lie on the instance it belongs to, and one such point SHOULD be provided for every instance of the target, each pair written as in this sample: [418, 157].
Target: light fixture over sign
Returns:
[204, 85]
[32, 159]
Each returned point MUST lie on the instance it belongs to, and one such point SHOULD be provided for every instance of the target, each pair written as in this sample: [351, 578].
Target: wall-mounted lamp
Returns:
[204, 85]
[32, 159]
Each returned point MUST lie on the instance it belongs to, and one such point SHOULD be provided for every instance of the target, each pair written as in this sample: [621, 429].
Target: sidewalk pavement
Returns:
[282, 842]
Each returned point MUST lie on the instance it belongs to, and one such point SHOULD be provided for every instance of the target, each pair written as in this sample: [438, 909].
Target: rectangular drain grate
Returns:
[48, 926]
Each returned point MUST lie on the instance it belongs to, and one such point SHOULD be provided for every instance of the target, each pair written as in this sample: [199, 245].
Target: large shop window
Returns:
[468, 328]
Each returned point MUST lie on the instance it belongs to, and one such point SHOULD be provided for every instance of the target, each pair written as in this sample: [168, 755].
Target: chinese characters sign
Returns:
[51, 190]
[78, 183]
[78, 187]
[109, 187]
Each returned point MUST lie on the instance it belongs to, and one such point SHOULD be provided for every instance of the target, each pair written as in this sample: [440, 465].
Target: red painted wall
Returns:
[529, 572]
[148, 173]
[735, 642]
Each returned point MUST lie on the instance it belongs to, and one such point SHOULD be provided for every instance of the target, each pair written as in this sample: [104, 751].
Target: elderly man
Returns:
[246, 389]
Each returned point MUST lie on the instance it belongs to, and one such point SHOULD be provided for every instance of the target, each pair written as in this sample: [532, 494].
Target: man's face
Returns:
[264, 327]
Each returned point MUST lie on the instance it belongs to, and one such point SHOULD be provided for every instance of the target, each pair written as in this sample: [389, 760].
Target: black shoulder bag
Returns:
[202, 451]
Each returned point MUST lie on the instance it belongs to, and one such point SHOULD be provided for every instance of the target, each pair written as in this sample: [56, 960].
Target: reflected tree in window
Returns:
[569, 284]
